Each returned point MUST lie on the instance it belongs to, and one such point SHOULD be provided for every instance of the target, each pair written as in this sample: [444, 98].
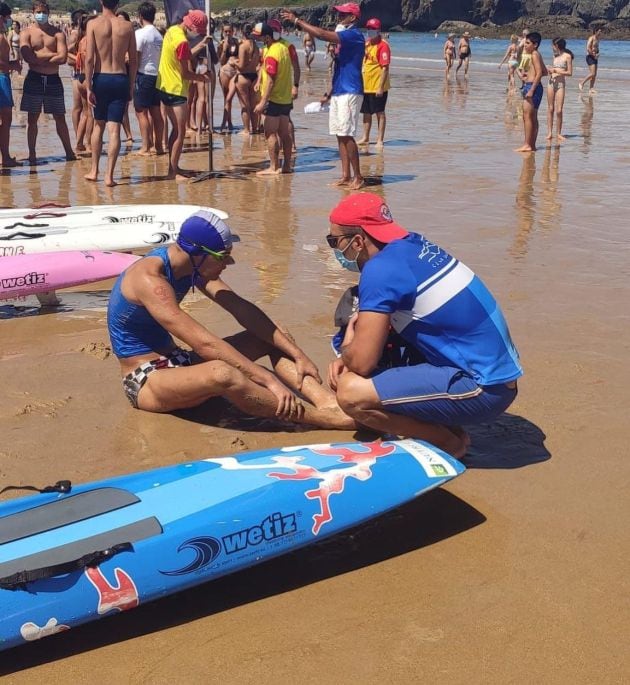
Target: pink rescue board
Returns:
[37, 273]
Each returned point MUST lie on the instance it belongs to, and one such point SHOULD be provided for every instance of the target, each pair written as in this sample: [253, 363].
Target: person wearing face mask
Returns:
[463, 366]
[144, 315]
[347, 85]
[6, 95]
[44, 48]
[175, 72]
[375, 82]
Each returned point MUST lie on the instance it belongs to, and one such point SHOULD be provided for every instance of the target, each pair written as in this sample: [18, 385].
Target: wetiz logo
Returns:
[138, 219]
[273, 527]
[32, 278]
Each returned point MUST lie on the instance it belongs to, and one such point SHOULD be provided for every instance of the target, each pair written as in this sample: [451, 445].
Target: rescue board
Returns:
[40, 273]
[104, 227]
[74, 556]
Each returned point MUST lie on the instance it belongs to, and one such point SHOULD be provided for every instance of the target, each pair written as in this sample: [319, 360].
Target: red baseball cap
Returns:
[196, 21]
[348, 8]
[374, 24]
[370, 212]
[275, 25]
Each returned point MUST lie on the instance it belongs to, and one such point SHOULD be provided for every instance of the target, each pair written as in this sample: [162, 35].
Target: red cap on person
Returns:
[275, 25]
[348, 8]
[374, 24]
[368, 211]
[196, 21]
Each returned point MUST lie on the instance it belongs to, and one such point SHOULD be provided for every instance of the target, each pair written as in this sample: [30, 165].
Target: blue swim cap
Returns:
[205, 228]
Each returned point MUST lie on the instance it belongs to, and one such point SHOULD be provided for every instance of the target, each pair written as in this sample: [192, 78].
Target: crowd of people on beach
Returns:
[169, 74]
[423, 347]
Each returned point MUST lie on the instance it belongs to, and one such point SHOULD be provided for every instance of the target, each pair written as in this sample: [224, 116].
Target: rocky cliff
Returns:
[488, 17]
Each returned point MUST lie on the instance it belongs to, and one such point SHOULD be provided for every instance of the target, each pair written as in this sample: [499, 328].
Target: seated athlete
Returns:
[455, 364]
[144, 315]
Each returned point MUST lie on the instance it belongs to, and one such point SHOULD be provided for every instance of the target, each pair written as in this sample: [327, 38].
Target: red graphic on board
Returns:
[119, 597]
[333, 481]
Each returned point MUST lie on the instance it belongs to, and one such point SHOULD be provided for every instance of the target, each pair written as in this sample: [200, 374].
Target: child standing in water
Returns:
[562, 67]
[532, 91]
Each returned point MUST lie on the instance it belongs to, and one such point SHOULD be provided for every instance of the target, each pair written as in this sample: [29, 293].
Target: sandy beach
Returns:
[514, 573]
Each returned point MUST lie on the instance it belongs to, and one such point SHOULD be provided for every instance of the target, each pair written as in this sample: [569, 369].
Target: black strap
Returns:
[20, 235]
[21, 223]
[18, 581]
[61, 486]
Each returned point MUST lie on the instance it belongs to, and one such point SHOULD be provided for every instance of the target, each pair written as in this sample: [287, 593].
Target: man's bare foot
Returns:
[592, 91]
[363, 141]
[549, 136]
[91, 177]
[581, 86]
[32, 161]
[180, 178]
[158, 151]
[110, 183]
[141, 153]
[380, 144]
[71, 157]
[358, 182]
[287, 170]
[79, 148]
[128, 142]
[561, 138]
[525, 148]
[269, 172]
[341, 182]
[10, 162]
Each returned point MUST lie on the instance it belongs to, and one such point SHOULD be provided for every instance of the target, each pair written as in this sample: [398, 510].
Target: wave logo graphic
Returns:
[119, 597]
[206, 550]
[158, 239]
[331, 482]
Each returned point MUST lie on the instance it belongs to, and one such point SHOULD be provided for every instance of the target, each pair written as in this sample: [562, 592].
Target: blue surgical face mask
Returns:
[41, 17]
[350, 264]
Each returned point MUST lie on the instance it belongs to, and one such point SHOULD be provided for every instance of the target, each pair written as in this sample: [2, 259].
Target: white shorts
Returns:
[343, 119]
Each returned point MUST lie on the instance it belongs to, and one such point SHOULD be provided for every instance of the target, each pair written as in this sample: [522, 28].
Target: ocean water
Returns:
[424, 51]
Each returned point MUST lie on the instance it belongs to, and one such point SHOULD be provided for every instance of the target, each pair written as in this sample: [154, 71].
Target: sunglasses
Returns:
[219, 256]
[333, 240]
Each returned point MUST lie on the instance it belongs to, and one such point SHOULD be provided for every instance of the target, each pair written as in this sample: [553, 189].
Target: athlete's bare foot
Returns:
[158, 151]
[287, 170]
[363, 141]
[32, 161]
[358, 182]
[129, 142]
[90, 177]
[10, 162]
[592, 91]
[525, 148]
[341, 182]
[141, 153]
[110, 183]
[269, 172]
[581, 86]
[380, 144]
[71, 157]
[79, 148]
[549, 136]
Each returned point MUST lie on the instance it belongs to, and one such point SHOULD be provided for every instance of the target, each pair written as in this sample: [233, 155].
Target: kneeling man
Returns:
[441, 310]
[144, 315]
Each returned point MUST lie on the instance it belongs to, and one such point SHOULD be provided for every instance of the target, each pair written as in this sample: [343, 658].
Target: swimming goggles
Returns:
[219, 256]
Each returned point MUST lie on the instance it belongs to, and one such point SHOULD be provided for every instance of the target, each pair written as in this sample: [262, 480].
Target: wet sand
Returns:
[516, 572]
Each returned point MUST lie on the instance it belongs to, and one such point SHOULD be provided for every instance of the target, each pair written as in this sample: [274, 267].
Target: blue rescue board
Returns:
[105, 547]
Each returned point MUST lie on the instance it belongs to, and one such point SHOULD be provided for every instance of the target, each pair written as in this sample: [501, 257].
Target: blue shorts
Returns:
[6, 94]
[112, 95]
[537, 96]
[440, 394]
[145, 94]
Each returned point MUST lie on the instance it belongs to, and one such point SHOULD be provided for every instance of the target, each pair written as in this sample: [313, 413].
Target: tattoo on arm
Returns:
[162, 293]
